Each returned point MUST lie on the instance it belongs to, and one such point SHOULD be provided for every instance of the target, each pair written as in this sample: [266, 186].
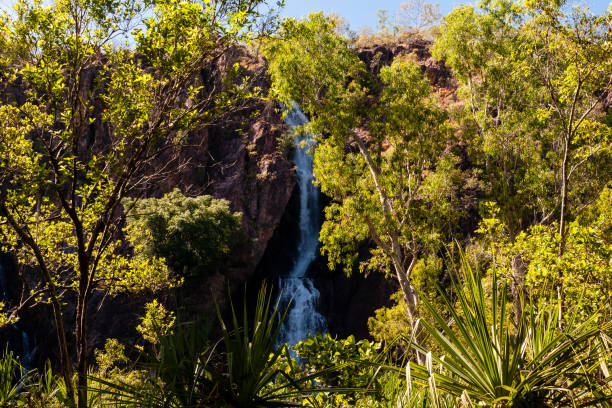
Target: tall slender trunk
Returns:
[403, 274]
[519, 290]
[63, 346]
[408, 291]
[81, 340]
[562, 230]
[411, 298]
[81, 330]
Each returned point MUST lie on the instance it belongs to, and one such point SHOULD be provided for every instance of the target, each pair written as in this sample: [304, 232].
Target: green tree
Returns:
[586, 261]
[534, 77]
[132, 69]
[380, 153]
[193, 234]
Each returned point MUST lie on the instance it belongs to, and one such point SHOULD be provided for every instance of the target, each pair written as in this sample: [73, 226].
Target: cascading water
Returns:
[303, 318]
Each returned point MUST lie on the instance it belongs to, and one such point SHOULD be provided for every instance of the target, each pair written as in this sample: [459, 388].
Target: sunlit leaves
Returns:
[312, 64]
[323, 352]
[94, 93]
[112, 355]
[156, 323]
[76, 77]
[532, 75]
[380, 153]
[585, 265]
[173, 35]
[5, 319]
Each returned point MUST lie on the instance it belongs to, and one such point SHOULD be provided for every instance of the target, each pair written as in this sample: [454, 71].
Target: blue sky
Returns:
[360, 13]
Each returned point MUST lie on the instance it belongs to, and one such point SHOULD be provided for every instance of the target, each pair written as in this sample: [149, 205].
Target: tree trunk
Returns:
[411, 298]
[81, 340]
[519, 290]
[403, 275]
[562, 230]
[408, 291]
[81, 329]
[63, 346]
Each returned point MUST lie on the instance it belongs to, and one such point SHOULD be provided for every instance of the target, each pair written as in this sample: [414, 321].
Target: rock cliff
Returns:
[377, 56]
[240, 162]
[236, 159]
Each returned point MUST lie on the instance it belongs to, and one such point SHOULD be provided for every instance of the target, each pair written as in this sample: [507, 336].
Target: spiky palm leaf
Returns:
[498, 363]
[12, 377]
[252, 354]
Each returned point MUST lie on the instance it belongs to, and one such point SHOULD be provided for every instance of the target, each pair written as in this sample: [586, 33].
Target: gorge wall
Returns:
[241, 162]
[237, 160]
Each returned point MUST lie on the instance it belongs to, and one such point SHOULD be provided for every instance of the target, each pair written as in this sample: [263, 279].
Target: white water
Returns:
[303, 318]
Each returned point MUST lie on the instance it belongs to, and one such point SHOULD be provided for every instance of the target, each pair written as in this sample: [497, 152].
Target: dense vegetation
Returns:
[488, 200]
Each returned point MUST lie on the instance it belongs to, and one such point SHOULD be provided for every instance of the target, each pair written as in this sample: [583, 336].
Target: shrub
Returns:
[193, 234]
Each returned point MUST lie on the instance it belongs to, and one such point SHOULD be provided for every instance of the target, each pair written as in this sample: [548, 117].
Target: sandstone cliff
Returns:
[240, 162]
[236, 159]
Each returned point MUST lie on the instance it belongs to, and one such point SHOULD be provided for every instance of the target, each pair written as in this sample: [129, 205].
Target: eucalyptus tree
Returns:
[94, 95]
[534, 78]
[380, 150]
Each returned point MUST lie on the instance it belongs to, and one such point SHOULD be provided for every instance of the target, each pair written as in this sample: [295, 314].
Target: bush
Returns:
[193, 234]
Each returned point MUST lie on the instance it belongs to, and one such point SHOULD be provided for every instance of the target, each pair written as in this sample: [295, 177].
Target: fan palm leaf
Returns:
[499, 363]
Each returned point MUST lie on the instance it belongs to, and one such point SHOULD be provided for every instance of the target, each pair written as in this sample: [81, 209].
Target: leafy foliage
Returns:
[156, 323]
[112, 355]
[110, 89]
[532, 364]
[380, 153]
[194, 235]
[584, 265]
[531, 83]
[322, 352]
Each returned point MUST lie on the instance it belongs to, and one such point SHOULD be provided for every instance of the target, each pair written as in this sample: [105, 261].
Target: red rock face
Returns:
[377, 56]
[242, 165]
[237, 160]
[258, 181]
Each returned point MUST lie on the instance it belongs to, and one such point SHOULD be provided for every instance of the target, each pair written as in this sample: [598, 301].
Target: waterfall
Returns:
[303, 318]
